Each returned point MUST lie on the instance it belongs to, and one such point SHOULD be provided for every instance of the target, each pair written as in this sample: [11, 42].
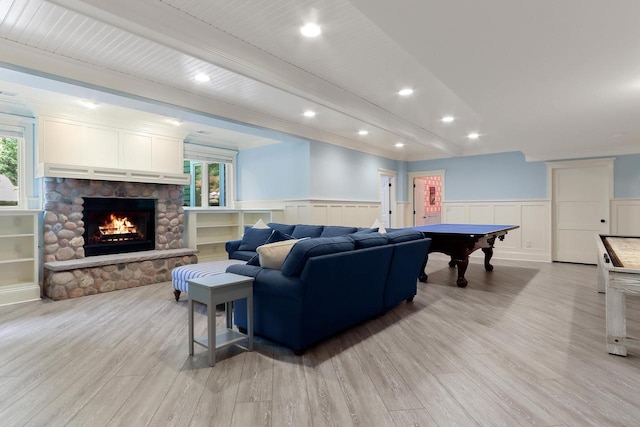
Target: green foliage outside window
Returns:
[9, 159]
[8, 171]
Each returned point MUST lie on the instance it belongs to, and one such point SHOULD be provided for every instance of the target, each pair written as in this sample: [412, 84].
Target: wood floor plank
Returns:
[412, 418]
[435, 398]
[105, 403]
[290, 403]
[365, 404]
[477, 404]
[217, 402]
[328, 406]
[256, 383]
[254, 414]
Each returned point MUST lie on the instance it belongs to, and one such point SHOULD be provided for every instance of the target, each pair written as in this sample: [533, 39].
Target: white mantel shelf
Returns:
[58, 170]
[101, 260]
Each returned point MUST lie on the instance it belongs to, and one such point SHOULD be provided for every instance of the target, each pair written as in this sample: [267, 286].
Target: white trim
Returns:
[14, 294]
[590, 163]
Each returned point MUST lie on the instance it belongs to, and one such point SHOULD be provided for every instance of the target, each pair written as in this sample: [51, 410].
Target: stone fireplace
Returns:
[125, 258]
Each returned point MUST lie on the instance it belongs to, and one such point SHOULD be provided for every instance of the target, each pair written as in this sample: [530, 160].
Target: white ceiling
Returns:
[551, 79]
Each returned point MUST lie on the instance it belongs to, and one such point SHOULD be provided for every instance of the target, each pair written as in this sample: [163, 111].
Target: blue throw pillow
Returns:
[254, 237]
[283, 228]
[255, 260]
[302, 230]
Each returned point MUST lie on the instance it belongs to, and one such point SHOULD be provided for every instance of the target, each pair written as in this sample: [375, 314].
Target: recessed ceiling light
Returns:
[405, 92]
[202, 77]
[90, 105]
[174, 122]
[363, 132]
[448, 119]
[399, 145]
[310, 29]
[309, 113]
[473, 135]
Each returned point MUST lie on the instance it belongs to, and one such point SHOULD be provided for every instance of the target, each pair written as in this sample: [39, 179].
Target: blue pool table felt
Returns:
[464, 229]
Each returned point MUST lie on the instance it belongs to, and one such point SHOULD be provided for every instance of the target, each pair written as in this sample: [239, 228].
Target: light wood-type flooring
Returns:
[523, 345]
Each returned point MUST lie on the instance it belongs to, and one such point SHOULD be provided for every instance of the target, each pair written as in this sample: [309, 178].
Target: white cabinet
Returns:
[208, 230]
[80, 148]
[18, 256]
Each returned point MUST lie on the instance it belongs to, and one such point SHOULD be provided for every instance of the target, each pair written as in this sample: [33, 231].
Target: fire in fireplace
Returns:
[115, 225]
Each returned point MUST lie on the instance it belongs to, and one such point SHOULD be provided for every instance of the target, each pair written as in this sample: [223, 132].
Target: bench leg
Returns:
[176, 294]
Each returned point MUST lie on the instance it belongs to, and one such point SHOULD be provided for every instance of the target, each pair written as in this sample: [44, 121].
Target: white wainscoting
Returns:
[530, 242]
[625, 217]
[323, 212]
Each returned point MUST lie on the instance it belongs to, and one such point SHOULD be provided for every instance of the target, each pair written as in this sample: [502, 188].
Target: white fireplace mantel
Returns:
[58, 170]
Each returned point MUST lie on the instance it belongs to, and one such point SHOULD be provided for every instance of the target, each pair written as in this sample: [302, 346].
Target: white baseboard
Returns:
[14, 294]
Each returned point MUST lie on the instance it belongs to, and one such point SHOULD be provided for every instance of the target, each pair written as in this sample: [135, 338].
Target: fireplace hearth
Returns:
[116, 225]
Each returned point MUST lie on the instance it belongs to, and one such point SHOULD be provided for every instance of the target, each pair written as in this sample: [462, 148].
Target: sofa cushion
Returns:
[242, 255]
[366, 230]
[272, 255]
[369, 240]
[334, 230]
[283, 228]
[302, 230]
[305, 249]
[254, 237]
[404, 235]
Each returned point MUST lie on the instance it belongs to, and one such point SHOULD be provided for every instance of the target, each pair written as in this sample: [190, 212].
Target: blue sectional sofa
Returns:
[328, 284]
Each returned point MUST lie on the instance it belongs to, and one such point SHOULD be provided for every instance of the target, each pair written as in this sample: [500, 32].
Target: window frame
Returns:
[22, 129]
[207, 155]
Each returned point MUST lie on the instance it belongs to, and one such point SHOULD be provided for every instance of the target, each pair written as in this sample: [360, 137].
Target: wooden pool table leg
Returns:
[488, 253]
[462, 269]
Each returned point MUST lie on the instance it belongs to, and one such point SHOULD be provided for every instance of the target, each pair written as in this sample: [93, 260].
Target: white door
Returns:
[385, 200]
[419, 215]
[581, 210]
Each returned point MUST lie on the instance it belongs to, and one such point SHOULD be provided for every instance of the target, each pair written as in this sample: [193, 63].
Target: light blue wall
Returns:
[343, 174]
[501, 176]
[273, 172]
[627, 177]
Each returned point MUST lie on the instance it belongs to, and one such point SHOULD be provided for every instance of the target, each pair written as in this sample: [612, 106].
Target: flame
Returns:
[117, 226]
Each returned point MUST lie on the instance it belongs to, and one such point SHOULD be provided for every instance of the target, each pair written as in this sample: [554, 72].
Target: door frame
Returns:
[606, 162]
[393, 175]
[411, 176]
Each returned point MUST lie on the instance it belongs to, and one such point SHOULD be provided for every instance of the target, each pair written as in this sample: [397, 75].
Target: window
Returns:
[9, 171]
[211, 176]
[208, 179]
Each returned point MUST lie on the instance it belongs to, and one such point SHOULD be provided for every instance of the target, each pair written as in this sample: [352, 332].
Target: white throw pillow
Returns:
[272, 255]
[260, 224]
[381, 230]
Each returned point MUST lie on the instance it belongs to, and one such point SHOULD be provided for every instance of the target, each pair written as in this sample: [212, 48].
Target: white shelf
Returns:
[217, 225]
[17, 260]
[19, 256]
[208, 230]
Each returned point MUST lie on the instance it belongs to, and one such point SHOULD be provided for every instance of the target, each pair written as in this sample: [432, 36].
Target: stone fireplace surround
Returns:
[68, 274]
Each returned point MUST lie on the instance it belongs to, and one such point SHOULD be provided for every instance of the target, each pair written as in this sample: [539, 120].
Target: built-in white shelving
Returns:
[18, 256]
[208, 230]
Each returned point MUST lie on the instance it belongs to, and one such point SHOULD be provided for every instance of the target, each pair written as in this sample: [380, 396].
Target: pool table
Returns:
[459, 241]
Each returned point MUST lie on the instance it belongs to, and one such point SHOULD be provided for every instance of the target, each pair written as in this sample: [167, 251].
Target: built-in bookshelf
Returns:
[208, 230]
[19, 256]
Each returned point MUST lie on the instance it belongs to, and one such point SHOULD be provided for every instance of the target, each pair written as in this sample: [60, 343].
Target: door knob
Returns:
[602, 220]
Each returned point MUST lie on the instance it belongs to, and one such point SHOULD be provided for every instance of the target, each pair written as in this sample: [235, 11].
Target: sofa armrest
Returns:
[231, 246]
